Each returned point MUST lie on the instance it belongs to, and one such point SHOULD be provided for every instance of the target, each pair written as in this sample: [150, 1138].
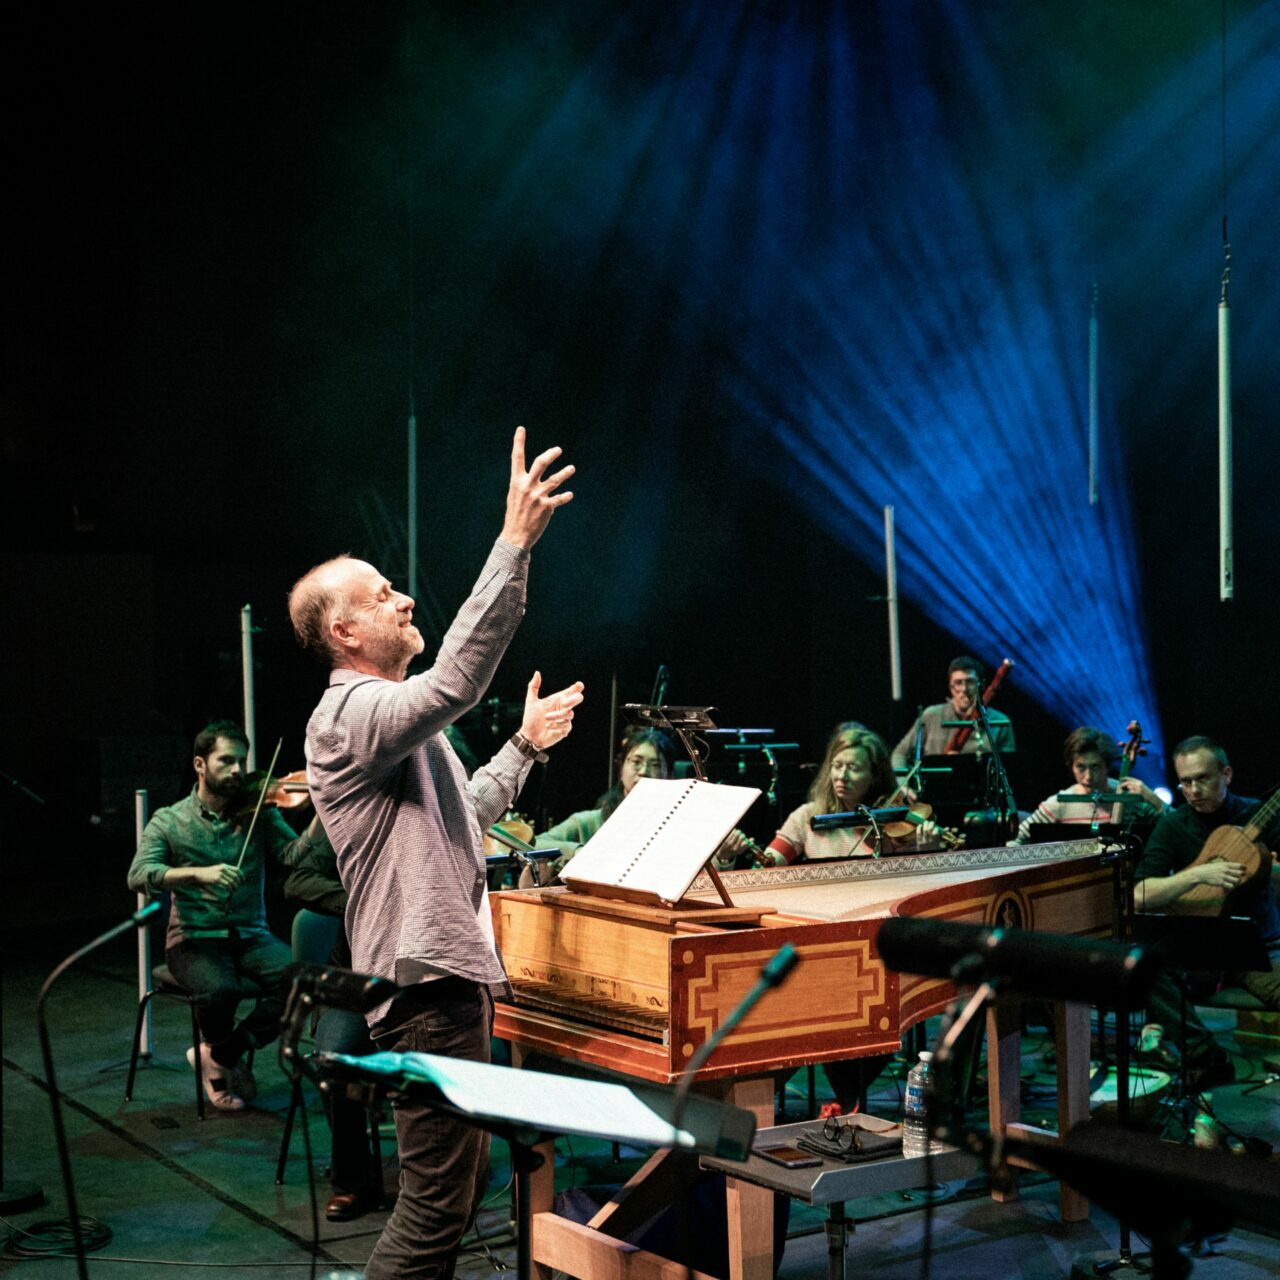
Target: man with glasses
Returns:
[1168, 870]
[964, 688]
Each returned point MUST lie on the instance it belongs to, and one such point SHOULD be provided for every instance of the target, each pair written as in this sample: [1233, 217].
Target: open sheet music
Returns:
[658, 839]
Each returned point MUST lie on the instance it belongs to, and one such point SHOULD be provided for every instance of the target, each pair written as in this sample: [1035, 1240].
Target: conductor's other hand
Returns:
[531, 495]
[548, 720]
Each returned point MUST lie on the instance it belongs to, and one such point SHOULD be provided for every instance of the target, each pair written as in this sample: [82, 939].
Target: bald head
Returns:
[349, 615]
[318, 599]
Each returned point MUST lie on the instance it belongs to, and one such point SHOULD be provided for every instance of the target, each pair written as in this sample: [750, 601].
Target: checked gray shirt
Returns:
[405, 823]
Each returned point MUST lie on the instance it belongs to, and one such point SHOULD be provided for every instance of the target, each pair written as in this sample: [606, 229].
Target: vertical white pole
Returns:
[413, 500]
[246, 669]
[1093, 398]
[891, 595]
[1226, 568]
[145, 1042]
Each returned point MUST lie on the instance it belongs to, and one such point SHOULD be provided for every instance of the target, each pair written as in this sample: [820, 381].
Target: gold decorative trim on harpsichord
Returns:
[902, 864]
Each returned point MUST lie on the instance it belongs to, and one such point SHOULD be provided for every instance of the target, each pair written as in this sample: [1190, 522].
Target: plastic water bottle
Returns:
[915, 1126]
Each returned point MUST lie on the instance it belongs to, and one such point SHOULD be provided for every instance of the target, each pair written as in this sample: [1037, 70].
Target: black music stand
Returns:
[530, 1107]
[682, 721]
[954, 781]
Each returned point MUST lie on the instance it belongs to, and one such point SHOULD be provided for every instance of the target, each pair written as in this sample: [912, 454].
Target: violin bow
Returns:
[253, 822]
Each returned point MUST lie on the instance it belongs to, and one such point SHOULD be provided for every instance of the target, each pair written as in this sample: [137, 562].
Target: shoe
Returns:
[345, 1205]
[217, 1087]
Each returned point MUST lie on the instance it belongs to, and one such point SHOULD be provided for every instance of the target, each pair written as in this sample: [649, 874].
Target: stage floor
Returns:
[176, 1193]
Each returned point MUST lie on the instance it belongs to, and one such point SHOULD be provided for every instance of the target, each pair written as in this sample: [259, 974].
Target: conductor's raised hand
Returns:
[531, 496]
[548, 720]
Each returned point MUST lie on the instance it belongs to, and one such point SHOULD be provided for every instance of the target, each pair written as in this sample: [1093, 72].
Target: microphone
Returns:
[858, 817]
[1050, 965]
[776, 971]
[341, 988]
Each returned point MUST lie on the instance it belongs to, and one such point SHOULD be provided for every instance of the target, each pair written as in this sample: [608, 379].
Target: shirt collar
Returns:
[203, 809]
[345, 675]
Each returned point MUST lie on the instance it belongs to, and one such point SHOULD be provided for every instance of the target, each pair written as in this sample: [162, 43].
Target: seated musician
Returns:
[212, 857]
[964, 686]
[1088, 753]
[1168, 870]
[644, 753]
[855, 771]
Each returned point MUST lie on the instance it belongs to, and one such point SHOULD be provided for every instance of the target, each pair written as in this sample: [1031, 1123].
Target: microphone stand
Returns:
[772, 975]
[138, 919]
[1008, 805]
[1122, 855]
[15, 1197]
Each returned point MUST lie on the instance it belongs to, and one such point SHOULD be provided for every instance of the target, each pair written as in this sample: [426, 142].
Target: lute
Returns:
[1242, 845]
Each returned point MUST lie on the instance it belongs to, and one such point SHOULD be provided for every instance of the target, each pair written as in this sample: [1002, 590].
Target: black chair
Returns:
[163, 983]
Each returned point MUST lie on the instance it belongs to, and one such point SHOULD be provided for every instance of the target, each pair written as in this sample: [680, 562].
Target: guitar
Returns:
[1242, 845]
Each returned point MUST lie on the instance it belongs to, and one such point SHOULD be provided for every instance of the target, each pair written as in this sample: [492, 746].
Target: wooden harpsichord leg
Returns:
[750, 1208]
[1004, 1081]
[1071, 1038]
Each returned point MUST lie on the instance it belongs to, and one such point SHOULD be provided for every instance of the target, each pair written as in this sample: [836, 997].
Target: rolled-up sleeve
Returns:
[153, 858]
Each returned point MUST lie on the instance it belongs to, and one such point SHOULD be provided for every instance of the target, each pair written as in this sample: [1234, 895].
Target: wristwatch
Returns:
[527, 748]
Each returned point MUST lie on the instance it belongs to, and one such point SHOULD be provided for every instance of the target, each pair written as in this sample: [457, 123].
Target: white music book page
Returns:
[658, 839]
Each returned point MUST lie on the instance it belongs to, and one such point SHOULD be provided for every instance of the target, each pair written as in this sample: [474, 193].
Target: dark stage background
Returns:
[759, 268]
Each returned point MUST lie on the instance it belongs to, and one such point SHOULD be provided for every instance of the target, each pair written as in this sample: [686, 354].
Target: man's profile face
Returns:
[1203, 780]
[381, 619]
[222, 770]
[963, 687]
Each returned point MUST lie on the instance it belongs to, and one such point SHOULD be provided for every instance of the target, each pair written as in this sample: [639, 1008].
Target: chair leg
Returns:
[813, 1091]
[137, 1041]
[375, 1148]
[295, 1101]
[198, 1042]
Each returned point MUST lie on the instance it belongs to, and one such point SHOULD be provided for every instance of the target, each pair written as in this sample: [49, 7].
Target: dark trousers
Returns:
[444, 1162]
[352, 1172]
[214, 969]
[1163, 1006]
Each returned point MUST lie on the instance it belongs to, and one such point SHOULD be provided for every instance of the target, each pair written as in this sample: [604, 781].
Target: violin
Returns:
[920, 813]
[906, 828]
[960, 736]
[288, 792]
[903, 831]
